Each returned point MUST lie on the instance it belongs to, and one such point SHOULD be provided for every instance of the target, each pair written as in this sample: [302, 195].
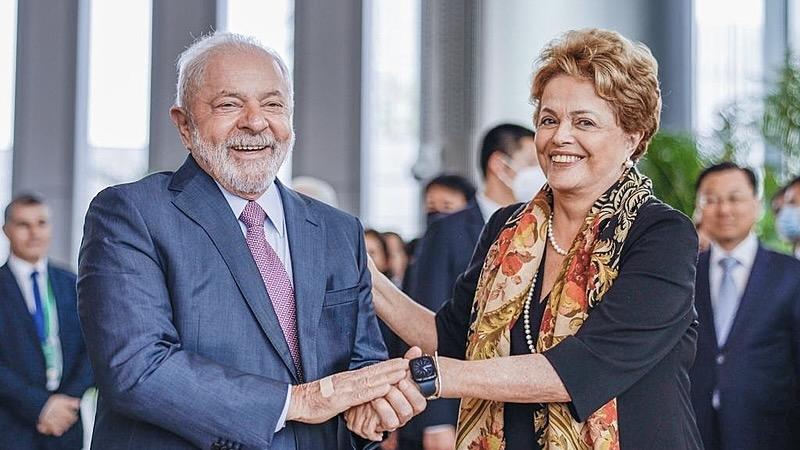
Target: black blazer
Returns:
[636, 345]
[443, 254]
[757, 369]
[22, 366]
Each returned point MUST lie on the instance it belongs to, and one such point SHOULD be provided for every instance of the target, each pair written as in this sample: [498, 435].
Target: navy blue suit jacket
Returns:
[186, 346]
[444, 254]
[758, 368]
[22, 366]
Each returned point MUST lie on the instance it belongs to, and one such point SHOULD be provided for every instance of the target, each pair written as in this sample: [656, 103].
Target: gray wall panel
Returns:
[327, 82]
[176, 23]
[44, 129]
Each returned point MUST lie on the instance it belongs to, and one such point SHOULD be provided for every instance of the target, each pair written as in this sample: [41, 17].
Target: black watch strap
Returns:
[428, 388]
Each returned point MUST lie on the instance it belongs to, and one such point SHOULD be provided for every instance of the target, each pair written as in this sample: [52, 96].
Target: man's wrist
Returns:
[298, 402]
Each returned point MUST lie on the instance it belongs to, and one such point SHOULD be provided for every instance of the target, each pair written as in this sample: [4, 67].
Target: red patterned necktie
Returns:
[274, 276]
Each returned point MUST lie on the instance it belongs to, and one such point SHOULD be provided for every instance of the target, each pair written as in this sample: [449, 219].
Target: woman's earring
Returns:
[628, 163]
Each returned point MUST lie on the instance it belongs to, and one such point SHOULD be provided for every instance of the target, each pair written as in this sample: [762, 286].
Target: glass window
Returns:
[729, 73]
[118, 102]
[793, 12]
[113, 97]
[272, 23]
[8, 50]
[390, 116]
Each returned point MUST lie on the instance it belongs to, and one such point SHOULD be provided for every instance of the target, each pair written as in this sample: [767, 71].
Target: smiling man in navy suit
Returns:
[44, 369]
[223, 310]
[747, 370]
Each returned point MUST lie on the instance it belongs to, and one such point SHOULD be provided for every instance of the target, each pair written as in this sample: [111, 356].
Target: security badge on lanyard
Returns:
[51, 346]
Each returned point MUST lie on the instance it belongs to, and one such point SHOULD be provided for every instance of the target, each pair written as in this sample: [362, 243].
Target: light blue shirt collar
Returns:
[270, 201]
[745, 253]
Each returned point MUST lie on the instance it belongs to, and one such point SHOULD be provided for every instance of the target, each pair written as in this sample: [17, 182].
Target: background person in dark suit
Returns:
[507, 155]
[44, 369]
[214, 299]
[746, 372]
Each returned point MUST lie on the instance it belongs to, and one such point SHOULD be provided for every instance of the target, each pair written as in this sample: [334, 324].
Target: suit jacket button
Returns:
[720, 359]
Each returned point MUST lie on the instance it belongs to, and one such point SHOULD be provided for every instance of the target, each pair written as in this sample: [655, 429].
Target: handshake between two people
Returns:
[381, 397]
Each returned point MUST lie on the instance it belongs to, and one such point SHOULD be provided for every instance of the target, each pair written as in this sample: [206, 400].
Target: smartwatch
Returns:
[425, 374]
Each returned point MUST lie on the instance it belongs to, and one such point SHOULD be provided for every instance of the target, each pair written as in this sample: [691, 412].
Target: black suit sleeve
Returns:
[454, 317]
[640, 319]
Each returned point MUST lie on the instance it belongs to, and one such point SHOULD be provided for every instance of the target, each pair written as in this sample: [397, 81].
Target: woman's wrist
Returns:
[449, 370]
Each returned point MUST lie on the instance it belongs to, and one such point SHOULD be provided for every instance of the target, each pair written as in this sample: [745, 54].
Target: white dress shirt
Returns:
[22, 271]
[745, 253]
[275, 231]
[486, 205]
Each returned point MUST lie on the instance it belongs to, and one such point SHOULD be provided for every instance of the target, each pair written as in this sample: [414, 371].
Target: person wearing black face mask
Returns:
[447, 194]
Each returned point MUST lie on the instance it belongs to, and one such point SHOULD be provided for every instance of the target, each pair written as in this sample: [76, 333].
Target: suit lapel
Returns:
[757, 284]
[307, 246]
[201, 200]
[702, 300]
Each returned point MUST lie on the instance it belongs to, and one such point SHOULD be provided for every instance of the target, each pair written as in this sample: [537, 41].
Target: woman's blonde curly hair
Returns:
[624, 74]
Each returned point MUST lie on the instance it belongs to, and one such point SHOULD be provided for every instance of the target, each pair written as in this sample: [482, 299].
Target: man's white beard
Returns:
[244, 176]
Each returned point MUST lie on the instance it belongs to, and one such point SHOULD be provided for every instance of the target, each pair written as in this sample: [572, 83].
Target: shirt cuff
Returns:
[282, 420]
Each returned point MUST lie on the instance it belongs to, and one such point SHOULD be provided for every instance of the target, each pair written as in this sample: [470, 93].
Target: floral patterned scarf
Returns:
[586, 275]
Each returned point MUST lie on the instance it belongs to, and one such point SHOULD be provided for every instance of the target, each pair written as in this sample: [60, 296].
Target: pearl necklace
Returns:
[527, 314]
[552, 239]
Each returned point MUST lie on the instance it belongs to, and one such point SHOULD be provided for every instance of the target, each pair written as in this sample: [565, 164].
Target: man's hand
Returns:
[388, 413]
[443, 438]
[58, 414]
[364, 421]
[391, 411]
[320, 400]
[402, 402]
[399, 405]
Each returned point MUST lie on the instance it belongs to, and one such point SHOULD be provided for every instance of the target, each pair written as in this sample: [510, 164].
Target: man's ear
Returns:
[180, 118]
[497, 164]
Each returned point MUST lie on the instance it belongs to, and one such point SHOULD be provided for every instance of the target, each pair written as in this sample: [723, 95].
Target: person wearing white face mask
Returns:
[527, 177]
[787, 220]
[510, 174]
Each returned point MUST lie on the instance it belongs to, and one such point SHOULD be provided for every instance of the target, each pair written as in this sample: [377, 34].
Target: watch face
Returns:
[423, 369]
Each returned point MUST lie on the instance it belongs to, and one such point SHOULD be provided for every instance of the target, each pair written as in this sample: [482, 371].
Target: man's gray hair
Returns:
[193, 61]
